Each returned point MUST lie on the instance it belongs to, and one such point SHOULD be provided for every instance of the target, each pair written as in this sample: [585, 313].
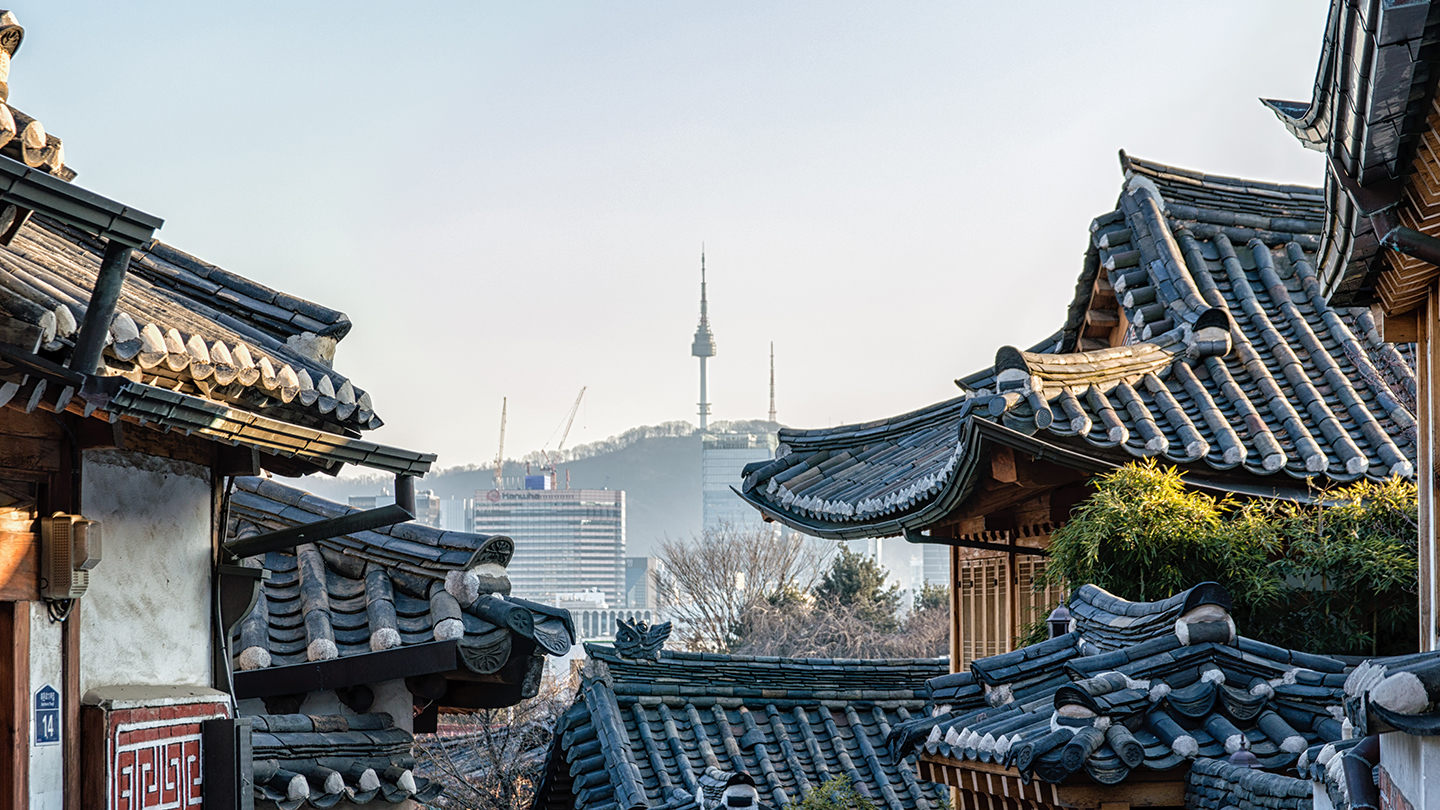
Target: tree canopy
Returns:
[857, 581]
[765, 593]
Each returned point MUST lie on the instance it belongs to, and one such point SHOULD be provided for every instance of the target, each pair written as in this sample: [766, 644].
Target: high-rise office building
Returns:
[457, 515]
[937, 564]
[427, 505]
[566, 540]
[722, 457]
[642, 582]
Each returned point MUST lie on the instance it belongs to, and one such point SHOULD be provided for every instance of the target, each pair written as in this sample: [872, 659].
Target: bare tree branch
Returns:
[710, 581]
[822, 629]
[492, 759]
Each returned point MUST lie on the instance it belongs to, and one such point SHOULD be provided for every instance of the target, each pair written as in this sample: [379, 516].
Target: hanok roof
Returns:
[1396, 694]
[443, 596]
[1367, 113]
[643, 732]
[1217, 785]
[320, 761]
[186, 326]
[1228, 363]
[198, 349]
[1157, 685]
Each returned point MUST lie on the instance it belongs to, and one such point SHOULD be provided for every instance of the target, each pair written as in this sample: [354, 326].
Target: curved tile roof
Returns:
[1233, 360]
[1399, 693]
[643, 732]
[1367, 112]
[321, 760]
[372, 591]
[185, 325]
[1154, 685]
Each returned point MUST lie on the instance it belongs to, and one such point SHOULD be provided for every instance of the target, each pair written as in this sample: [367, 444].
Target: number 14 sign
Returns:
[47, 716]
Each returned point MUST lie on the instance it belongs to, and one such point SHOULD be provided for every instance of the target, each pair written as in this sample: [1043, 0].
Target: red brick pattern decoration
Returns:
[153, 756]
[1390, 796]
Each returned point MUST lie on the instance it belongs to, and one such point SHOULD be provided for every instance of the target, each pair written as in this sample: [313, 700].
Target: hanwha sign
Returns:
[493, 496]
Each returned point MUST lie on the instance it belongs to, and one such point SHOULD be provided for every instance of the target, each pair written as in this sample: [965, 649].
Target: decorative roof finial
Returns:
[22, 137]
[634, 638]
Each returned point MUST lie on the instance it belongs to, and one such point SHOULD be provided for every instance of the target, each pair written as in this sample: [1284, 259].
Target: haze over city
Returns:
[509, 201]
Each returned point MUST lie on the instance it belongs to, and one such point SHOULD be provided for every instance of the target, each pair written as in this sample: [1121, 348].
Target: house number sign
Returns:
[47, 716]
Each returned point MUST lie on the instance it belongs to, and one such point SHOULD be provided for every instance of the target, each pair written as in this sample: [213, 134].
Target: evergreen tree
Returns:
[858, 582]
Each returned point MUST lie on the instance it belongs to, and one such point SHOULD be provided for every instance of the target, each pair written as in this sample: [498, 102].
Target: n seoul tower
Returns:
[704, 345]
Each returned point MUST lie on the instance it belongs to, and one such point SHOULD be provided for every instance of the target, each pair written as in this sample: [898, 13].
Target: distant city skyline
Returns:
[875, 185]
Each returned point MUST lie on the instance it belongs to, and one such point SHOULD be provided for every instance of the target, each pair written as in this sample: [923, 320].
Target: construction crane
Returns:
[565, 434]
[500, 453]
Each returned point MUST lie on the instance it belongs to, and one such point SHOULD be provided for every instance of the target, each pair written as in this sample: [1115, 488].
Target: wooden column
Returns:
[70, 705]
[954, 608]
[1427, 367]
[15, 709]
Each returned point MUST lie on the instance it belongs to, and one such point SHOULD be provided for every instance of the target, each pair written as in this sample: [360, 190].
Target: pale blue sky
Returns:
[509, 199]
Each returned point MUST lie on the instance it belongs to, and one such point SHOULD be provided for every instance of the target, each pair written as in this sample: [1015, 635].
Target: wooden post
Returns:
[15, 709]
[70, 705]
[1427, 366]
[1012, 635]
[955, 609]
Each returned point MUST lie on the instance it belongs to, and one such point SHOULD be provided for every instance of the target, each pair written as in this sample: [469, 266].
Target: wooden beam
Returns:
[30, 453]
[1128, 793]
[1002, 464]
[1402, 327]
[19, 567]
[172, 445]
[400, 662]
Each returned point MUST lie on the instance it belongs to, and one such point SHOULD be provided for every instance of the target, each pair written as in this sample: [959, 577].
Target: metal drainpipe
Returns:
[104, 298]
[405, 493]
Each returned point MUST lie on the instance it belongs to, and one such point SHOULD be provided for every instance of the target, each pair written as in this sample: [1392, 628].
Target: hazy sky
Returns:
[509, 199]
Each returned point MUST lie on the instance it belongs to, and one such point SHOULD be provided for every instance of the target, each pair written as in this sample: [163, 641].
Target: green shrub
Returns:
[836, 793]
[1338, 578]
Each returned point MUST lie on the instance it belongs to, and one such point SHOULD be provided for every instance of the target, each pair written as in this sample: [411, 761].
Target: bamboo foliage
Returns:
[1335, 577]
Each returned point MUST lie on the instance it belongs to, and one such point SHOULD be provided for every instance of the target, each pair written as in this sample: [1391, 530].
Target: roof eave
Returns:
[44, 193]
[976, 436]
[118, 397]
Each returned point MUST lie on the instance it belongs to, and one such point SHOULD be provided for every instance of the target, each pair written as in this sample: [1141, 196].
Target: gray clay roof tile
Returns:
[366, 602]
[1296, 387]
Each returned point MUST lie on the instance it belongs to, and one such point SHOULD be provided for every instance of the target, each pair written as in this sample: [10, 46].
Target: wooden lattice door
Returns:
[996, 601]
[984, 621]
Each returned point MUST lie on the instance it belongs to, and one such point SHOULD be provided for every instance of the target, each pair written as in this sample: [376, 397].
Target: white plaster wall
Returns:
[1414, 765]
[146, 617]
[390, 696]
[393, 698]
[47, 763]
[322, 702]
